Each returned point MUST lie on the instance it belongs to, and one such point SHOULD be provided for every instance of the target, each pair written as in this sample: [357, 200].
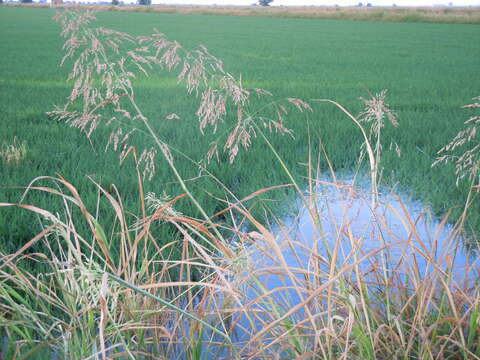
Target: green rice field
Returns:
[430, 71]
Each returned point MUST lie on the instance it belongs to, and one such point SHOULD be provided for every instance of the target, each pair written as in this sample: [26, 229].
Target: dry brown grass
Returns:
[250, 300]
[459, 15]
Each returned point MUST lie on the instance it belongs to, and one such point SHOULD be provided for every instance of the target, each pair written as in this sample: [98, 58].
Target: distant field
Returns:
[431, 70]
[453, 15]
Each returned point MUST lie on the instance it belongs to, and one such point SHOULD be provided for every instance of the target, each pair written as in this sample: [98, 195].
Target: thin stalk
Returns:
[169, 305]
[314, 214]
[371, 154]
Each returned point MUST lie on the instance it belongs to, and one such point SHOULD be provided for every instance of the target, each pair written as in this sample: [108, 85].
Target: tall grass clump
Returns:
[109, 292]
[225, 285]
[13, 153]
[265, 294]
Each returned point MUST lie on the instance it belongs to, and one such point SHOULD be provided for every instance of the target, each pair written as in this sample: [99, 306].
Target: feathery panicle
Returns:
[213, 152]
[106, 61]
[300, 104]
[212, 109]
[164, 202]
[377, 111]
[375, 114]
[147, 160]
[467, 164]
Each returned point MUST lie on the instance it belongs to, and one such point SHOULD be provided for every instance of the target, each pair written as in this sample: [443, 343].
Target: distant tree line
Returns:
[264, 2]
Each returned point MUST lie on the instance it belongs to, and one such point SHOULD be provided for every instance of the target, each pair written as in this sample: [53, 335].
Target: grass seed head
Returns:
[13, 153]
[464, 149]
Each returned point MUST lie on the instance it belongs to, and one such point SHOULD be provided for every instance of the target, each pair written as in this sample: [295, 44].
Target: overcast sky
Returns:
[325, 2]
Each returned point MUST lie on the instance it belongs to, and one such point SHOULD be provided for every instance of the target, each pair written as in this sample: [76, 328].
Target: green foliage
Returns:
[144, 2]
[294, 57]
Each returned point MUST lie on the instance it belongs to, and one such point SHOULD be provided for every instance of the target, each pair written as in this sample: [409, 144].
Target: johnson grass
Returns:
[169, 275]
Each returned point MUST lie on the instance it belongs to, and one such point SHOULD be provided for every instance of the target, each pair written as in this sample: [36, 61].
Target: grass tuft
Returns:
[13, 153]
